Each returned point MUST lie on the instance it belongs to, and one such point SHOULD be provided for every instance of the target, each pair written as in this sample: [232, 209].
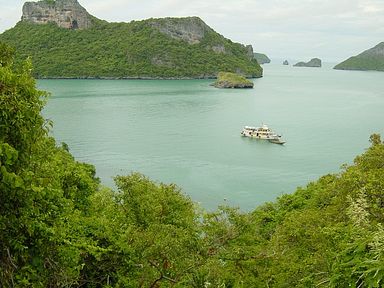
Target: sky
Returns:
[332, 30]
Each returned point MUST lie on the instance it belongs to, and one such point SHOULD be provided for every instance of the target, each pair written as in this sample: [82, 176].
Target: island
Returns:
[371, 59]
[64, 41]
[232, 80]
[261, 58]
[314, 62]
[285, 62]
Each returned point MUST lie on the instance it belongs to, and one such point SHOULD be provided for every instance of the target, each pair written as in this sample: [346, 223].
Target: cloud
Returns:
[10, 13]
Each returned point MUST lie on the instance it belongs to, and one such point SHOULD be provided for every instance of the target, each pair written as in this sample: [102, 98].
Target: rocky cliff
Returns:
[65, 13]
[189, 29]
[314, 62]
[192, 30]
[371, 59]
[250, 53]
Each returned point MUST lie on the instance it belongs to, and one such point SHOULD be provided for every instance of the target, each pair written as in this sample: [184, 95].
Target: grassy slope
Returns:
[124, 50]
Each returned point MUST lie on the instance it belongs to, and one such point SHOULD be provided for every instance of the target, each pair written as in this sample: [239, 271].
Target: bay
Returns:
[188, 133]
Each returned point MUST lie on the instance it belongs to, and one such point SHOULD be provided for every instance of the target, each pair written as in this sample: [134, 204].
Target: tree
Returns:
[6, 54]
[43, 190]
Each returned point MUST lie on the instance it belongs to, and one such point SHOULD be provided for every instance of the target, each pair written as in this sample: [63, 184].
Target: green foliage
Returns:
[146, 233]
[43, 190]
[60, 228]
[7, 54]
[124, 50]
[20, 121]
[232, 80]
[49, 2]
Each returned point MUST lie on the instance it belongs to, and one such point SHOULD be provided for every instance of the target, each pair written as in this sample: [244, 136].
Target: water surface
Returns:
[187, 132]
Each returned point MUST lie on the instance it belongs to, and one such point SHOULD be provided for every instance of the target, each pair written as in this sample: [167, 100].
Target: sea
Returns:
[187, 132]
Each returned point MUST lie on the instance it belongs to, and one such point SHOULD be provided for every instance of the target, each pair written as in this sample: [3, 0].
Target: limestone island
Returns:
[232, 80]
[64, 41]
[314, 62]
[285, 62]
[261, 58]
[371, 59]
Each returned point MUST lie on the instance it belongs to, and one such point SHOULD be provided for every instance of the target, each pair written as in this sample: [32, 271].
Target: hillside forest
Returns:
[126, 50]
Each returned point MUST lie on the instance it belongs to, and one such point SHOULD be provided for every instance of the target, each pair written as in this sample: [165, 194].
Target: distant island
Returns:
[65, 41]
[314, 62]
[285, 62]
[232, 80]
[261, 58]
[371, 59]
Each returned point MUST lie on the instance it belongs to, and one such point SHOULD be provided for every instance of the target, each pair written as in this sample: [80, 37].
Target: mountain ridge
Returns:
[162, 48]
[65, 13]
[370, 59]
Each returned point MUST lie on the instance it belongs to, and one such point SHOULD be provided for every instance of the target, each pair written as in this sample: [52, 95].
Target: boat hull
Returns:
[277, 141]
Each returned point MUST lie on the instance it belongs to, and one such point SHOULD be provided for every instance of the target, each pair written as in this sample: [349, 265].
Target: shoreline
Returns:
[133, 78]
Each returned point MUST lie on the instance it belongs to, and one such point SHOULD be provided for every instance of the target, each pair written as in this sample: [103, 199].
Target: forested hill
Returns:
[60, 228]
[371, 59]
[82, 46]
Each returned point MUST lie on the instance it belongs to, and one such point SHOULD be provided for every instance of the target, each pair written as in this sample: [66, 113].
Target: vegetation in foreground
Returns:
[60, 228]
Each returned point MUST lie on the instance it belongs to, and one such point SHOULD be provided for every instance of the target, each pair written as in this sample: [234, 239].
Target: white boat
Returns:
[263, 132]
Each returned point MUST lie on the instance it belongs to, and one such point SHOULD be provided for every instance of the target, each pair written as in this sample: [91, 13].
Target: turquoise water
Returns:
[187, 132]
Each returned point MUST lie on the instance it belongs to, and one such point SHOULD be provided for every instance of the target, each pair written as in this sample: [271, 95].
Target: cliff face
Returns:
[192, 30]
[250, 53]
[371, 59]
[189, 29]
[65, 13]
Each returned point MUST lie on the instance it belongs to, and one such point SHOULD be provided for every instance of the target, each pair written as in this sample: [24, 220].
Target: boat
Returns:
[263, 132]
[277, 140]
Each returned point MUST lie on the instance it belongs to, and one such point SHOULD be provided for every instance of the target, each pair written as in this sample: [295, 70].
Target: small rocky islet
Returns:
[232, 80]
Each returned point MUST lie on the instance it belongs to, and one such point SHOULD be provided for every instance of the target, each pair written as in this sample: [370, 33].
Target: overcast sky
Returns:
[332, 30]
